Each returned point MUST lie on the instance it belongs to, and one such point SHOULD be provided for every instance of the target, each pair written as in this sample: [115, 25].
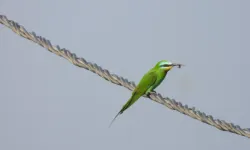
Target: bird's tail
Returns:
[114, 118]
[130, 102]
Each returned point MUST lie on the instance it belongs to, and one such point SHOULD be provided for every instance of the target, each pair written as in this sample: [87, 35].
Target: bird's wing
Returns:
[146, 82]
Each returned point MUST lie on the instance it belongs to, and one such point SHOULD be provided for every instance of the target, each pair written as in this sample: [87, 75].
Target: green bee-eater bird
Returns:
[148, 83]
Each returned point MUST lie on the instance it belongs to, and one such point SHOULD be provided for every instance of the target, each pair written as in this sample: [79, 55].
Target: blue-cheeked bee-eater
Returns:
[149, 82]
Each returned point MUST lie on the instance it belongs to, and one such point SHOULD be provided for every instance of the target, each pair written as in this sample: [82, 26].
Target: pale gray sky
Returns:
[47, 103]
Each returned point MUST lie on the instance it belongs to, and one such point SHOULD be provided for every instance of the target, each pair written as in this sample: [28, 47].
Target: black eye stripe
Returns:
[165, 65]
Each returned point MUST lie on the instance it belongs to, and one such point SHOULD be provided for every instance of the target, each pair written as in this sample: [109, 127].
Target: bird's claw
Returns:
[151, 92]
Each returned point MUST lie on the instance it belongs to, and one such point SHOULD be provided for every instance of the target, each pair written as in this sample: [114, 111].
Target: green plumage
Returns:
[148, 83]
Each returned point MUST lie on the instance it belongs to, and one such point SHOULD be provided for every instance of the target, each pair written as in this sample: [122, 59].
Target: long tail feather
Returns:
[114, 119]
[131, 101]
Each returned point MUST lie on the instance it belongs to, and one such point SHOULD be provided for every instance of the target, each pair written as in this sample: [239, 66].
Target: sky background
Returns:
[48, 103]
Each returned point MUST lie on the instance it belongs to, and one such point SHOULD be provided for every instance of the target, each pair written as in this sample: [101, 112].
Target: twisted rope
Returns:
[118, 80]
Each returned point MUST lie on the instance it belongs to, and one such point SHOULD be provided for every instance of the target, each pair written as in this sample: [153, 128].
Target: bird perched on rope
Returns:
[149, 82]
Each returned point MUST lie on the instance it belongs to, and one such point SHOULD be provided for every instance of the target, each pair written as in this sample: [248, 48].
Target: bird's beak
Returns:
[178, 65]
[168, 68]
[173, 65]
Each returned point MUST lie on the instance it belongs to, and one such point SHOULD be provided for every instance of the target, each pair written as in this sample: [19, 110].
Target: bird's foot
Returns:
[151, 92]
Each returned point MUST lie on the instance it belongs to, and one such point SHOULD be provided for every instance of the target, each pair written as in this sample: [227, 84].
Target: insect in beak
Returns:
[178, 65]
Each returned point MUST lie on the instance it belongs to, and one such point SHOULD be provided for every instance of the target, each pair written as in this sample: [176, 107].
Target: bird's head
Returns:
[166, 65]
